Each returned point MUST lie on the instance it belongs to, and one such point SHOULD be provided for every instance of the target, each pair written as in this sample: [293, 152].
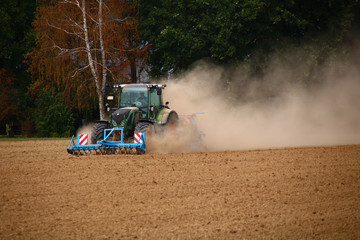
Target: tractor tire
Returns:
[97, 133]
[172, 120]
[149, 129]
[144, 127]
[171, 124]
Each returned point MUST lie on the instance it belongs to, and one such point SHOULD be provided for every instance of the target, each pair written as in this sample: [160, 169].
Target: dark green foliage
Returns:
[16, 41]
[52, 117]
[16, 34]
[228, 31]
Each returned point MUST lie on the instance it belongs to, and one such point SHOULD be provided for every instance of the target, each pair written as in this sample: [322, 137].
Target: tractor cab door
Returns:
[155, 102]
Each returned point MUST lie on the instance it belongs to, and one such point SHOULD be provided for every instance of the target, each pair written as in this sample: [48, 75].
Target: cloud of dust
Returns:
[86, 129]
[276, 112]
[183, 138]
[239, 112]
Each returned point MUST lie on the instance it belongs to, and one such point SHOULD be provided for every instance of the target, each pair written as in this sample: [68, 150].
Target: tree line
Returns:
[58, 56]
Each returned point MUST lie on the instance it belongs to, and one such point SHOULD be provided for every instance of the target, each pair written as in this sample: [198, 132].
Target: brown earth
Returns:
[299, 193]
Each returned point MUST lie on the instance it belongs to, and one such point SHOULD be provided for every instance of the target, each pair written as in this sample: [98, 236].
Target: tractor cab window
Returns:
[134, 97]
[154, 98]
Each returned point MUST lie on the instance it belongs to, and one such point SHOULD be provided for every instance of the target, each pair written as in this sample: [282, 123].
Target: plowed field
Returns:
[294, 193]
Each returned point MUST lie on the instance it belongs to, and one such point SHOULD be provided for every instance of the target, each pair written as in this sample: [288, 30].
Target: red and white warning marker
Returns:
[83, 139]
[139, 138]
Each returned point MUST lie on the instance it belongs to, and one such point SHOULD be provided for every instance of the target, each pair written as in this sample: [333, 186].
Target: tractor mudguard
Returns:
[102, 121]
[163, 116]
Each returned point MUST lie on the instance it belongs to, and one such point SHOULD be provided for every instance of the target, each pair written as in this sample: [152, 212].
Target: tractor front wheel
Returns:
[146, 127]
[149, 129]
[97, 133]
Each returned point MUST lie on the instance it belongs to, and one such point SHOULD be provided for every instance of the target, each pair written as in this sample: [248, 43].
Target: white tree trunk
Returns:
[93, 65]
[102, 48]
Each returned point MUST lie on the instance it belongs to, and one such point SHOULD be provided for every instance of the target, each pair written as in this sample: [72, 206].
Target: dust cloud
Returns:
[86, 129]
[281, 110]
[183, 138]
[284, 109]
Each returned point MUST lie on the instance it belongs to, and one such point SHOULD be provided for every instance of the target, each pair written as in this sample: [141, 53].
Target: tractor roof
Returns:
[141, 85]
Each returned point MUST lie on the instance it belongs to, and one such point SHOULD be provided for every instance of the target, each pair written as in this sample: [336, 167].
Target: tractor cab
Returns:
[146, 97]
[135, 96]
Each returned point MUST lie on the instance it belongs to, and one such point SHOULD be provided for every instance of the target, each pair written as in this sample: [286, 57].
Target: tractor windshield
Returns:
[134, 96]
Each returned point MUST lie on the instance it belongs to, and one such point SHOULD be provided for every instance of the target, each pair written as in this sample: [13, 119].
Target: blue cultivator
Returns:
[107, 146]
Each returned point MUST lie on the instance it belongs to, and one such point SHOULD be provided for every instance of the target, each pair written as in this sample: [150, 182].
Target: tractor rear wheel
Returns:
[172, 121]
[97, 133]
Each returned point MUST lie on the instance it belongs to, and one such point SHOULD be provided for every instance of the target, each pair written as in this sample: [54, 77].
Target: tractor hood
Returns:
[121, 114]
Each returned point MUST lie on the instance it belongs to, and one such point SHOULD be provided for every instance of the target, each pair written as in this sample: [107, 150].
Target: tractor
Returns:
[136, 112]
[139, 108]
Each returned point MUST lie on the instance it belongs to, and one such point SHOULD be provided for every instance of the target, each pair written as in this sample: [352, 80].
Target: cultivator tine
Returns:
[140, 150]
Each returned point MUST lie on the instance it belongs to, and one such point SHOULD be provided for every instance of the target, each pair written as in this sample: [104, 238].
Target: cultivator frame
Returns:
[107, 146]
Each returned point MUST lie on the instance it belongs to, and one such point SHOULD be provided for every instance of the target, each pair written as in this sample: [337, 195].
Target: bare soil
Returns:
[297, 193]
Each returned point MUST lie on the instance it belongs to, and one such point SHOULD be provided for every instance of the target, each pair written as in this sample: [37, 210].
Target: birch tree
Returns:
[81, 44]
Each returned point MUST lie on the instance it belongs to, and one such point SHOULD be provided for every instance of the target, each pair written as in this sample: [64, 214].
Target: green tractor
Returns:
[140, 108]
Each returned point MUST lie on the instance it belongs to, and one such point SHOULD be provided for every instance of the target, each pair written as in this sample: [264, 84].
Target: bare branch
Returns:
[106, 6]
[92, 19]
[76, 3]
[78, 34]
[80, 70]
[125, 50]
[75, 24]
[64, 51]
[118, 20]
[108, 70]
[111, 73]
[74, 50]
